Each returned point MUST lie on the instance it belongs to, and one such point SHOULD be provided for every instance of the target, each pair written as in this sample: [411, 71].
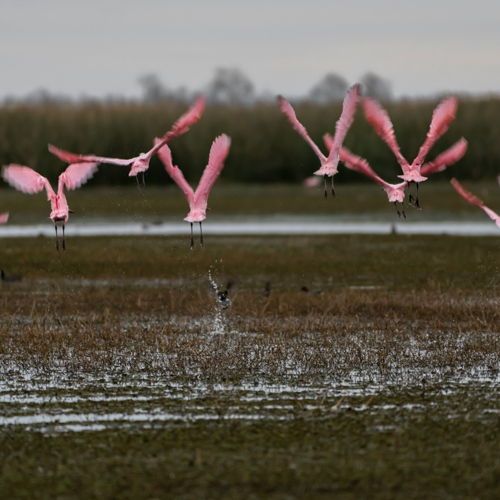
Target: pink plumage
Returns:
[445, 159]
[25, 179]
[198, 199]
[4, 218]
[329, 164]
[139, 163]
[474, 200]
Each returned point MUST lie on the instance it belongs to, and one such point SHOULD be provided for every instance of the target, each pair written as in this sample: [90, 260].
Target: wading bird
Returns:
[379, 119]
[4, 218]
[198, 200]
[25, 179]
[475, 200]
[329, 165]
[140, 163]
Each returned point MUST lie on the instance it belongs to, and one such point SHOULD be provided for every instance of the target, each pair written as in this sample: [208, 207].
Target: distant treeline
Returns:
[264, 147]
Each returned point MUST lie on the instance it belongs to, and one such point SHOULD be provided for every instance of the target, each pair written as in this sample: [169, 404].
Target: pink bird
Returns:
[140, 163]
[395, 192]
[28, 181]
[445, 159]
[475, 200]
[4, 218]
[198, 200]
[328, 164]
[441, 118]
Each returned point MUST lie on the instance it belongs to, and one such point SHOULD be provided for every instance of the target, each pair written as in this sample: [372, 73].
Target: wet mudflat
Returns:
[120, 376]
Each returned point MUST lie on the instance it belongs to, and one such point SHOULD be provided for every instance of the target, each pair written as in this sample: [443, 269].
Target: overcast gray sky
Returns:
[101, 47]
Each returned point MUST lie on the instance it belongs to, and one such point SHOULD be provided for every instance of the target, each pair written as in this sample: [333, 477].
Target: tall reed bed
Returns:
[264, 149]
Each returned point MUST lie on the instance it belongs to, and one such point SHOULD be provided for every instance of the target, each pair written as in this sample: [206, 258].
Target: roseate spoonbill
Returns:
[445, 159]
[28, 181]
[328, 164]
[379, 119]
[395, 192]
[9, 277]
[475, 200]
[4, 218]
[198, 200]
[140, 163]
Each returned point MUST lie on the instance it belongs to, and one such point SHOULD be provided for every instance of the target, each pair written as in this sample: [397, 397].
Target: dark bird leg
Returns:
[410, 196]
[201, 235]
[416, 200]
[333, 190]
[397, 210]
[57, 239]
[138, 183]
[403, 208]
[64, 242]
[143, 184]
[326, 190]
[192, 239]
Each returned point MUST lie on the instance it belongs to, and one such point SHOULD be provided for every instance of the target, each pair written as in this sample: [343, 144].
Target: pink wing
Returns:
[25, 179]
[442, 116]
[379, 119]
[346, 118]
[77, 174]
[288, 111]
[218, 153]
[358, 164]
[68, 157]
[175, 172]
[182, 125]
[475, 201]
[4, 217]
[445, 159]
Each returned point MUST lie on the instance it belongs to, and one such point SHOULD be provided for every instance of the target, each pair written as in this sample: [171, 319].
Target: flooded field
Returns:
[346, 366]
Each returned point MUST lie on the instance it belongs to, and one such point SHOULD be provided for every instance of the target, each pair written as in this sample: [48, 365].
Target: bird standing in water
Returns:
[25, 179]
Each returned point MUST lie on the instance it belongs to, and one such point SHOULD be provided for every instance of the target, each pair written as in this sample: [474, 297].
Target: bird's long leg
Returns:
[333, 190]
[397, 210]
[64, 242]
[192, 239]
[138, 183]
[403, 208]
[143, 184]
[326, 190]
[410, 196]
[201, 235]
[57, 239]
[416, 200]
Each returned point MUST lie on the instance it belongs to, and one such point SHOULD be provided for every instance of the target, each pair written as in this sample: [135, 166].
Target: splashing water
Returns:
[219, 324]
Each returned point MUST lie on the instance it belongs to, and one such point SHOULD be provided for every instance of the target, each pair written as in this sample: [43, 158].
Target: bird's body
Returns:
[4, 218]
[198, 199]
[25, 179]
[475, 201]
[139, 164]
[379, 119]
[329, 164]
[9, 277]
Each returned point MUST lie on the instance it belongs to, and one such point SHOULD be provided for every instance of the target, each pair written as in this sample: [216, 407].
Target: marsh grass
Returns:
[383, 385]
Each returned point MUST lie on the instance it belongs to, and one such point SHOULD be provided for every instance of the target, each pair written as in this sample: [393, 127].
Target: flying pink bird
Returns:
[445, 159]
[441, 118]
[198, 200]
[475, 200]
[4, 218]
[140, 163]
[328, 164]
[28, 181]
[395, 192]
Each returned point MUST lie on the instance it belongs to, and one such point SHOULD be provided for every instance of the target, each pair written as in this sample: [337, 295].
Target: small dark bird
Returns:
[223, 296]
[313, 292]
[267, 289]
[9, 277]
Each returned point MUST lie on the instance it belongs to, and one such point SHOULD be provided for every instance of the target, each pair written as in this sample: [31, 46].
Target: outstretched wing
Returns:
[68, 157]
[175, 172]
[182, 125]
[475, 201]
[379, 119]
[346, 118]
[445, 159]
[441, 118]
[288, 111]
[25, 179]
[4, 218]
[77, 174]
[218, 153]
[358, 164]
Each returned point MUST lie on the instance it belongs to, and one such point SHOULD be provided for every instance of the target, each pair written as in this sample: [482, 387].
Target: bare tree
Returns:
[330, 88]
[230, 86]
[152, 88]
[376, 87]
